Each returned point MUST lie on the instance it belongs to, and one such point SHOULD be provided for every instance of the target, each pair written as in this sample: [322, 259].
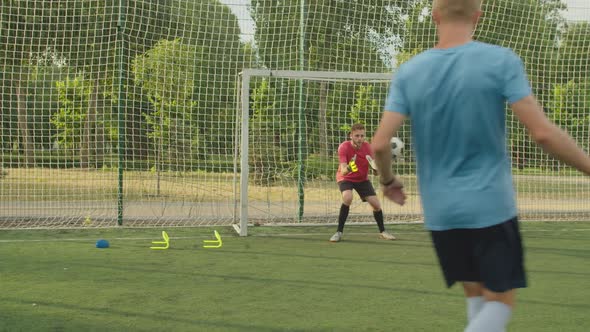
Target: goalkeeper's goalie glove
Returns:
[352, 167]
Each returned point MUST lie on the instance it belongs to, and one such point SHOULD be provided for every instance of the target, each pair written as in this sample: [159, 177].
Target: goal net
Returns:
[292, 124]
[135, 113]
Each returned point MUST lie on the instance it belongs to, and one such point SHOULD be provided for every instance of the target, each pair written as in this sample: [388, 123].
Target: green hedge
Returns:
[270, 170]
[53, 160]
[43, 160]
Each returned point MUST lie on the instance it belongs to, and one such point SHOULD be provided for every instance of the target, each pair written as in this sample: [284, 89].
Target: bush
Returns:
[317, 167]
[41, 160]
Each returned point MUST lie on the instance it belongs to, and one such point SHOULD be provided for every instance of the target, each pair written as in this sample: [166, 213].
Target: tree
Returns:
[574, 53]
[334, 36]
[166, 74]
[570, 109]
[529, 27]
[74, 96]
[41, 42]
[99, 39]
[366, 108]
[212, 27]
[337, 35]
[267, 137]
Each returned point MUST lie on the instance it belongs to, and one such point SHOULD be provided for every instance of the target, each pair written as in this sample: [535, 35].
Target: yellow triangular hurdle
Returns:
[166, 242]
[213, 243]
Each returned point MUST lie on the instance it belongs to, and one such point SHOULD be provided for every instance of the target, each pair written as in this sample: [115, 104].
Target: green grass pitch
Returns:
[277, 279]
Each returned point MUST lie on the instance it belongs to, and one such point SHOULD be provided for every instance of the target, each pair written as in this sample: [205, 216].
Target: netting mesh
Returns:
[293, 159]
[128, 111]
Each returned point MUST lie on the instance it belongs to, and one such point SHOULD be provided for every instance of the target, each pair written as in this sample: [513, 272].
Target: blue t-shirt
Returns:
[456, 100]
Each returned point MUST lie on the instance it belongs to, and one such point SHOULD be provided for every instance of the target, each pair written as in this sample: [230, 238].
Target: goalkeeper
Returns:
[353, 173]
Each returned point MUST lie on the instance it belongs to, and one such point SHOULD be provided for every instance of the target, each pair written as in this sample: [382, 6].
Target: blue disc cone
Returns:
[102, 244]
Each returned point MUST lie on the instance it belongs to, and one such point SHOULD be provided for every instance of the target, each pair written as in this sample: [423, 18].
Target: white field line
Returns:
[573, 230]
[568, 230]
[117, 238]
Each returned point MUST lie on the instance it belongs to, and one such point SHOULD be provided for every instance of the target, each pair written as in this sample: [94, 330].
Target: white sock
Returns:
[474, 305]
[493, 317]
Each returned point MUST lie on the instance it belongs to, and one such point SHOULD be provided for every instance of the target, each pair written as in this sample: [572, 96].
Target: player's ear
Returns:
[476, 16]
[435, 17]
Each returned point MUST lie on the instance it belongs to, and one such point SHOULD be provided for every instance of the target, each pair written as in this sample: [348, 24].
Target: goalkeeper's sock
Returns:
[344, 209]
[379, 219]
[474, 305]
[493, 317]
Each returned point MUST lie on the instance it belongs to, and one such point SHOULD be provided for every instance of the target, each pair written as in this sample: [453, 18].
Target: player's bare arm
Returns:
[549, 136]
[388, 127]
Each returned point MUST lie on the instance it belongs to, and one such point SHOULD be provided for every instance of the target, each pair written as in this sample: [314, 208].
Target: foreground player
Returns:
[353, 173]
[455, 94]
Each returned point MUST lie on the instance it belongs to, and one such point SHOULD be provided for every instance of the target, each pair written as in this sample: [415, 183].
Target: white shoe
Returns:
[336, 237]
[385, 235]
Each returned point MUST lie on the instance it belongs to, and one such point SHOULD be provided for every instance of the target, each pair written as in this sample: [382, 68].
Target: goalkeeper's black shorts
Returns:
[364, 188]
[491, 255]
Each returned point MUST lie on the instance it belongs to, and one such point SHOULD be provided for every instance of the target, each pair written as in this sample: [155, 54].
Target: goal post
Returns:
[269, 95]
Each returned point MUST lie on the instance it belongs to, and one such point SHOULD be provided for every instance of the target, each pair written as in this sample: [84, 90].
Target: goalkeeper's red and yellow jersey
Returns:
[346, 152]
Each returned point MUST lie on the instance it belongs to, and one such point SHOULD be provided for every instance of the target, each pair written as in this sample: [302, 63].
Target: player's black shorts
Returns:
[491, 255]
[364, 189]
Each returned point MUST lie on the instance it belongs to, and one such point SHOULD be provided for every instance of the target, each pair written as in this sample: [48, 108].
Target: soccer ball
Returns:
[396, 147]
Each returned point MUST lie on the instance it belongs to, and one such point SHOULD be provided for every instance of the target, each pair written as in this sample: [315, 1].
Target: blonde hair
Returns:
[456, 10]
[357, 126]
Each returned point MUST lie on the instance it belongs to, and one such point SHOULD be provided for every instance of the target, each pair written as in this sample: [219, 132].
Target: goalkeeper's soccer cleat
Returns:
[336, 237]
[386, 236]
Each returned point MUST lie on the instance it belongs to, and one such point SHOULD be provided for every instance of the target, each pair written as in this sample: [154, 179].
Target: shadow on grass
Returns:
[79, 311]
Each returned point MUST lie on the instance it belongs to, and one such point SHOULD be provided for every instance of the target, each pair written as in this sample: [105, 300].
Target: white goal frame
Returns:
[243, 107]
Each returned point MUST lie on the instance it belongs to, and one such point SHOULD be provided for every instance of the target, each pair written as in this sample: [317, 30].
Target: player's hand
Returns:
[394, 192]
